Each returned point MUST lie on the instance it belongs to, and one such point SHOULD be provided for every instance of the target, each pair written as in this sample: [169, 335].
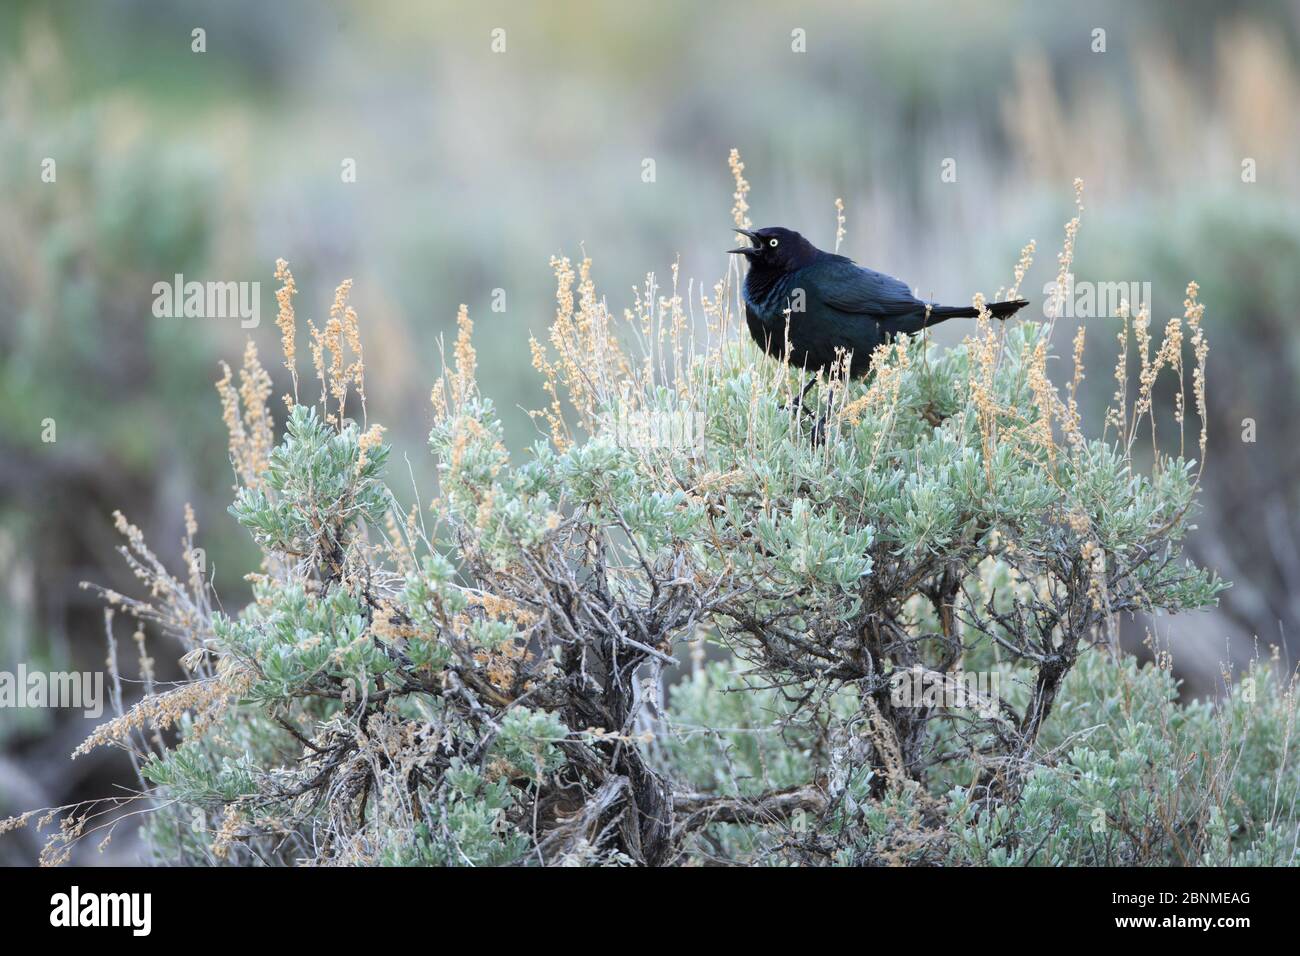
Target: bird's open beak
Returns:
[745, 250]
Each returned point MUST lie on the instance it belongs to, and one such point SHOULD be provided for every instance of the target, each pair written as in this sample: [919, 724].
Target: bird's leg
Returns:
[818, 433]
[798, 402]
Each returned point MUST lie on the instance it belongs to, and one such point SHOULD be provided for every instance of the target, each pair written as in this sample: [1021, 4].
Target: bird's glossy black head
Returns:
[776, 248]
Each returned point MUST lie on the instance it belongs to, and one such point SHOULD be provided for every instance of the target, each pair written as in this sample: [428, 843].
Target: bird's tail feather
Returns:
[999, 310]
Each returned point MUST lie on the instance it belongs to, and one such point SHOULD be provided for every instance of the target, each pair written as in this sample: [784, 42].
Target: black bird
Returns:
[834, 304]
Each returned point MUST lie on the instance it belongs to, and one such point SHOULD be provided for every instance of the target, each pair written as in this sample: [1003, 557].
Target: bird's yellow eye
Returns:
[771, 242]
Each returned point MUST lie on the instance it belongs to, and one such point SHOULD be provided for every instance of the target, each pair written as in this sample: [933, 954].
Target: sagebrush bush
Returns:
[898, 629]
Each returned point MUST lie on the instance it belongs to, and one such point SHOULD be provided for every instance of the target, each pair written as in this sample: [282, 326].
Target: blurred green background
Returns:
[473, 167]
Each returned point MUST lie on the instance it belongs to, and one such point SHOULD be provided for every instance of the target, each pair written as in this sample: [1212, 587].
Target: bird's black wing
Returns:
[846, 287]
